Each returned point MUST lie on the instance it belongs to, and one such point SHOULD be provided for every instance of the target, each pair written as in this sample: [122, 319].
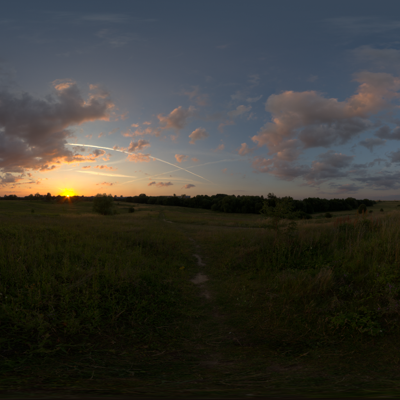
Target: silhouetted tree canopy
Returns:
[253, 204]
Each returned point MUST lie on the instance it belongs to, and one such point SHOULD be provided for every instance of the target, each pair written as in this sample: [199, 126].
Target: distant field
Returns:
[105, 304]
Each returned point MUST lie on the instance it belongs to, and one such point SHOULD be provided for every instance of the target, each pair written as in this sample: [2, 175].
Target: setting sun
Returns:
[67, 192]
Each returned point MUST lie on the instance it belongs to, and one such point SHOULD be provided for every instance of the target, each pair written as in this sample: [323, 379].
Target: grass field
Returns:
[105, 305]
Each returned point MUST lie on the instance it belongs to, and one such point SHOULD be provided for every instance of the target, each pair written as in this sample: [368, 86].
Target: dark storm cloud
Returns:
[34, 131]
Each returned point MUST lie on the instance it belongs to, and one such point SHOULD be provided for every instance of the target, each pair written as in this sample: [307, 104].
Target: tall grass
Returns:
[321, 283]
[63, 279]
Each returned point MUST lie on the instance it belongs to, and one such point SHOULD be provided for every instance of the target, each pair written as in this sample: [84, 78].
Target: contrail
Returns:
[174, 170]
[127, 152]
[105, 174]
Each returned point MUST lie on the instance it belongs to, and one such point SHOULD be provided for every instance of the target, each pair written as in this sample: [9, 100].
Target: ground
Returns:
[219, 343]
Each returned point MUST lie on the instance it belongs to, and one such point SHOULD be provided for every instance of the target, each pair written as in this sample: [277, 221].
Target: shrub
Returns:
[370, 211]
[131, 209]
[104, 204]
[362, 209]
[381, 210]
[328, 215]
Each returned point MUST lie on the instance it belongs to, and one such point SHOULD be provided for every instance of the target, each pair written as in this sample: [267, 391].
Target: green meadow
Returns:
[98, 305]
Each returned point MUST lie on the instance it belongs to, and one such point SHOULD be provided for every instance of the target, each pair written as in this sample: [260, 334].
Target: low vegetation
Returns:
[316, 301]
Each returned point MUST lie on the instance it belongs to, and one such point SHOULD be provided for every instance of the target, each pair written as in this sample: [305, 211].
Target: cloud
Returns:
[346, 188]
[380, 58]
[201, 99]
[180, 157]
[372, 163]
[384, 180]
[244, 149]
[312, 78]
[139, 145]
[302, 120]
[141, 132]
[239, 95]
[135, 125]
[253, 99]
[220, 147]
[394, 156]
[329, 165]
[198, 134]
[105, 167]
[34, 131]
[109, 18]
[114, 39]
[223, 124]
[162, 184]
[385, 133]
[370, 143]
[188, 186]
[254, 79]
[356, 26]
[113, 131]
[105, 184]
[98, 152]
[239, 111]
[194, 159]
[139, 157]
[9, 178]
[86, 166]
[176, 119]
[151, 183]
[107, 157]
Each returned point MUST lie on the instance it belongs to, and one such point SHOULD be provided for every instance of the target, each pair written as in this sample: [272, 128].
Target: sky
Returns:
[295, 98]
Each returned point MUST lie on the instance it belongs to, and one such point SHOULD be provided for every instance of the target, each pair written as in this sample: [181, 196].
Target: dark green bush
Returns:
[328, 215]
[362, 209]
[131, 209]
[104, 204]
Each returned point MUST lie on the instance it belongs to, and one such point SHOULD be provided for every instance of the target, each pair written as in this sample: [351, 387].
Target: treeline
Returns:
[43, 197]
[252, 204]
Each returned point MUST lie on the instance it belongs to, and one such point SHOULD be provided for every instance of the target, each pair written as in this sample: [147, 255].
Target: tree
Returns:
[104, 204]
[48, 197]
[277, 209]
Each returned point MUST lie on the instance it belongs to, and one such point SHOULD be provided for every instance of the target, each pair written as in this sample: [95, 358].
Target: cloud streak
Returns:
[124, 151]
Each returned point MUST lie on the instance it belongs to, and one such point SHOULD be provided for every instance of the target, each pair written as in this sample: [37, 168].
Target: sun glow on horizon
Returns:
[67, 193]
